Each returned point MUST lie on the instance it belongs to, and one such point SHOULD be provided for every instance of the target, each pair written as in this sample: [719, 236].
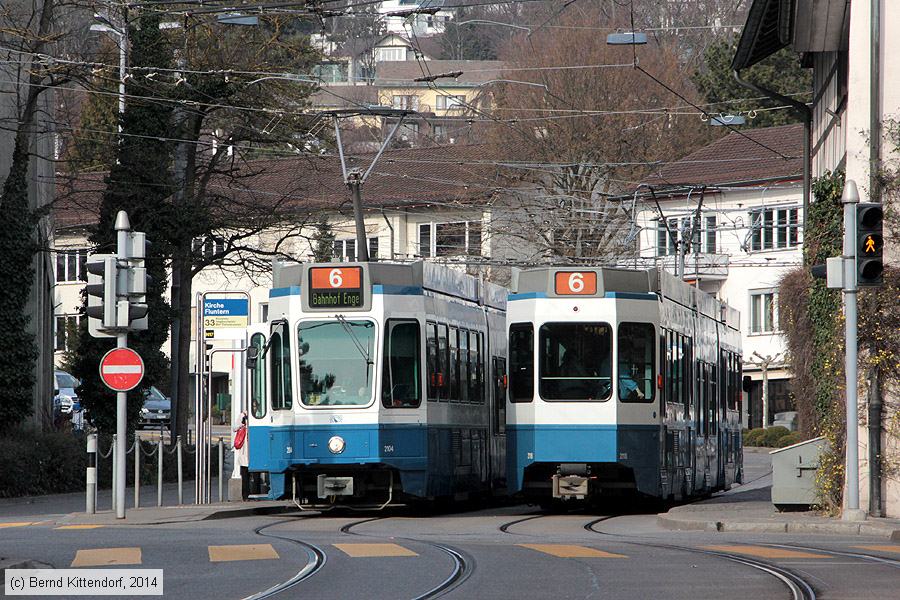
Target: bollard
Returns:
[90, 491]
[180, 477]
[159, 472]
[221, 467]
[115, 470]
[137, 472]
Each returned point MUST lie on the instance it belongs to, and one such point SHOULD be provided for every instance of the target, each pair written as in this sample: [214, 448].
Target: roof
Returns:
[768, 30]
[754, 155]
[473, 71]
[454, 175]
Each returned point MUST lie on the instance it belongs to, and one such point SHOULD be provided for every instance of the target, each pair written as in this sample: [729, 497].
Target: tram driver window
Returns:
[401, 377]
[521, 362]
[336, 362]
[258, 378]
[636, 364]
[280, 365]
[575, 361]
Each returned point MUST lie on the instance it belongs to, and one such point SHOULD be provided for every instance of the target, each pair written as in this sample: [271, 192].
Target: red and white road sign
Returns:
[121, 369]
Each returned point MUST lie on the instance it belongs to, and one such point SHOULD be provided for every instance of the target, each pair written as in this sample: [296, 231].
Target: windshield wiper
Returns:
[363, 351]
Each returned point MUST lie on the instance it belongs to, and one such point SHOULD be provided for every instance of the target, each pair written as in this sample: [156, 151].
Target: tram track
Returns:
[798, 587]
[316, 560]
[463, 565]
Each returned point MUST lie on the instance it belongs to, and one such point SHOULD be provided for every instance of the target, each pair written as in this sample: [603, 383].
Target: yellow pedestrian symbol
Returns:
[870, 244]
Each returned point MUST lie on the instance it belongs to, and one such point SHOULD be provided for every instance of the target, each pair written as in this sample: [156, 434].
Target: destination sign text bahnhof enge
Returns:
[335, 287]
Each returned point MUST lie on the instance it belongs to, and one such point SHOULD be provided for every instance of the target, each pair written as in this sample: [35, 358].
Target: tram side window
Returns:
[401, 377]
[713, 402]
[499, 395]
[431, 358]
[258, 378]
[701, 399]
[454, 361]
[280, 365]
[474, 367]
[480, 359]
[637, 342]
[687, 374]
[443, 363]
[521, 362]
[462, 365]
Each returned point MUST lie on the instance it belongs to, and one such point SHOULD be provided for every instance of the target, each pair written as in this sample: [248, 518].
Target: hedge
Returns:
[39, 463]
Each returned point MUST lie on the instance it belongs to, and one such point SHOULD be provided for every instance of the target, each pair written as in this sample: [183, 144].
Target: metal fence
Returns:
[159, 453]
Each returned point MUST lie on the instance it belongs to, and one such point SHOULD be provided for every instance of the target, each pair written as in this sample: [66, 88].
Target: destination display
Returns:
[336, 287]
[569, 283]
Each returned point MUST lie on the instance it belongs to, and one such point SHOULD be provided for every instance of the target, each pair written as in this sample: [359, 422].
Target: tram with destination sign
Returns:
[620, 382]
[378, 383]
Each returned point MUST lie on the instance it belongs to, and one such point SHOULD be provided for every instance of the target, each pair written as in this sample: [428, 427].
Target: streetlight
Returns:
[727, 120]
[105, 26]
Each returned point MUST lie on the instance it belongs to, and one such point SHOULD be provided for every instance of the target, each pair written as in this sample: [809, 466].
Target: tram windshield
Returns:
[336, 362]
[575, 361]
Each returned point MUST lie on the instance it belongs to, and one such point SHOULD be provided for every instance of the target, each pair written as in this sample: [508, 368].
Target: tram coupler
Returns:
[571, 482]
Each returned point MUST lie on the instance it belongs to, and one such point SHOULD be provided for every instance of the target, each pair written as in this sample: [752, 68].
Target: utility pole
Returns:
[765, 362]
[850, 199]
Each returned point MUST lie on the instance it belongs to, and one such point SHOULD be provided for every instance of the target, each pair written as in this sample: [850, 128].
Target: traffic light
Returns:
[870, 244]
[102, 272]
[134, 310]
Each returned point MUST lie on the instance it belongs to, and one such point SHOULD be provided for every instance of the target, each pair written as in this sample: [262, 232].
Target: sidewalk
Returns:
[178, 514]
[748, 508]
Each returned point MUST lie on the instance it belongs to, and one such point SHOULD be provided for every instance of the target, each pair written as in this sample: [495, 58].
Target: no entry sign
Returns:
[121, 369]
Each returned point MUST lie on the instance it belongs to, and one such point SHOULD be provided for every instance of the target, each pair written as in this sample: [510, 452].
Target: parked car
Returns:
[65, 399]
[157, 410]
[786, 419]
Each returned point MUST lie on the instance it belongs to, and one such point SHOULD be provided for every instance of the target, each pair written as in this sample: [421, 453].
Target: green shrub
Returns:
[789, 440]
[38, 463]
[754, 437]
[773, 434]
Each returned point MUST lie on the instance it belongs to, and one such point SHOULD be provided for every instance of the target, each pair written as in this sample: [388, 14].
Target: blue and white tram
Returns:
[376, 383]
[620, 382]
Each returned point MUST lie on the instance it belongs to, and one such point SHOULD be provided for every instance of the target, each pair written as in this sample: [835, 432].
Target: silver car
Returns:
[157, 410]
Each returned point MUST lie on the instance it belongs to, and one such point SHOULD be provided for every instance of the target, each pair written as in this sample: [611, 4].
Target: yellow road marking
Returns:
[242, 552]
[888, 548]
[766, 552]
[21, 524]
[373, 550]
[67, 527]
[107, 556]
[571, 551]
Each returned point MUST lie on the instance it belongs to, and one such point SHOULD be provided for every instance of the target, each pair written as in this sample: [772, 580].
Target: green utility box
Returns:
[794, 474]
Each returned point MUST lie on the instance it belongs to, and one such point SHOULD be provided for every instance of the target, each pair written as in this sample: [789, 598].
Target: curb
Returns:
[834, 528]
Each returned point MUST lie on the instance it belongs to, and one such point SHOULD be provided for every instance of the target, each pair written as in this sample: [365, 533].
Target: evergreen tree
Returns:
[138, 183]
[17, 249]
[323, 242]
[781, 72]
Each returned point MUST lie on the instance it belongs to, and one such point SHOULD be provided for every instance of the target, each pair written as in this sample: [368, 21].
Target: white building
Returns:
[850, 58]
[736, 208]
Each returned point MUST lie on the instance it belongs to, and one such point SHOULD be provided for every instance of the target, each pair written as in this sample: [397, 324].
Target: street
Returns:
[476, 551]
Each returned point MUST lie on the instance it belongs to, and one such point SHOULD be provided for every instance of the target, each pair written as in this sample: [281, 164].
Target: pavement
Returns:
[748, 509]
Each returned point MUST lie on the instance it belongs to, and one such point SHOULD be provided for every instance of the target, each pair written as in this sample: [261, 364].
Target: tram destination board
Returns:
[336, 287]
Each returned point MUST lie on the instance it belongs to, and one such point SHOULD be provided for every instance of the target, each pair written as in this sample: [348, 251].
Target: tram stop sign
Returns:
[121, 369]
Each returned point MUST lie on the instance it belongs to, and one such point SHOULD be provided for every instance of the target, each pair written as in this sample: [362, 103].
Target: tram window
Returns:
[479, 371]
[454, 362]
[687, 373]
[521, 362]
[499, 395]
[402, 373]
[280, 361]
[637, 342]
[336, 362]
[443, 362]
[575, 361]
[713, 402]
[258, 378]
[701, 399]
[431, 358]
[462, 365]
[474, 367]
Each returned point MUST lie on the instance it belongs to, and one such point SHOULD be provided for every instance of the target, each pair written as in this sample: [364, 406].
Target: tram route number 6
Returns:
[576, 283]
[335, 287]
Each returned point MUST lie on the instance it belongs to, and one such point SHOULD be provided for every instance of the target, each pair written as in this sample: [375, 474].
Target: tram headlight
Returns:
[336, 444]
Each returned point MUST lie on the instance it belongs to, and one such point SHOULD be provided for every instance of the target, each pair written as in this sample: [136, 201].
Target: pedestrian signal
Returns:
[870, 244]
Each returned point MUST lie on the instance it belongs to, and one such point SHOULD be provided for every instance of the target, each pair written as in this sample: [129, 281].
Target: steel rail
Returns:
[316, 560]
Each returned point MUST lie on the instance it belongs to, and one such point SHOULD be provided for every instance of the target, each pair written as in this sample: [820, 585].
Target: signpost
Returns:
[225, 318]
[121, 369]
